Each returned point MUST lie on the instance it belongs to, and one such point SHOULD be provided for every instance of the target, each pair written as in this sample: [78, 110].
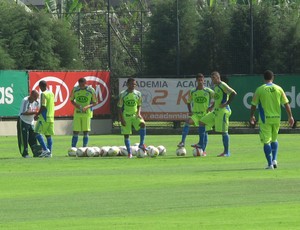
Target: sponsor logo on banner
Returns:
[164, 99]
[6, 95]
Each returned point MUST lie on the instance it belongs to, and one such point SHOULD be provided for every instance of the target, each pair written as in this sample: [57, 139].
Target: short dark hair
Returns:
[268, 75]
[82, 80]
[199, 75]
[129, 80]
[43, 84]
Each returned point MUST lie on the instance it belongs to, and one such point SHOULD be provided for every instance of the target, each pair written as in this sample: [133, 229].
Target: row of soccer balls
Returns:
[111, 151]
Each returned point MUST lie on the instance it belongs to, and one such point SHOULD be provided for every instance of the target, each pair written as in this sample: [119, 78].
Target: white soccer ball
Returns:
[148, 150]
[81, 152]
[162, 150]
[90, 152]
[181, 151]
[141, 153]
[72, 152]
[123, 151]
[134, 150]
[153, 152]
[197, 152]
[104, 151]
[113, 151]
[97, 151]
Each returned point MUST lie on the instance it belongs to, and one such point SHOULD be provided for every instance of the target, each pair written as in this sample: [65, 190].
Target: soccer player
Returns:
[198, 105]
[83, 97]
[269, 97]
[129, 111]
[45, 120]
[29, 108]
[219, 117]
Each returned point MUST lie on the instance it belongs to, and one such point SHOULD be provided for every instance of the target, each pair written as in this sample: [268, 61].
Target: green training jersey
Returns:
[83, 97]
[47, 100]
[269, 98]
[130, 101]
[200, 99]
[222, 92]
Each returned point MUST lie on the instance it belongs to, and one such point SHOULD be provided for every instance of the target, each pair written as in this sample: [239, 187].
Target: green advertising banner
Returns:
[245, 86]
[13, 88]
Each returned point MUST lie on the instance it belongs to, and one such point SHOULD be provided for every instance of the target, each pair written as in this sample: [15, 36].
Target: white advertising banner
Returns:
[164, 99]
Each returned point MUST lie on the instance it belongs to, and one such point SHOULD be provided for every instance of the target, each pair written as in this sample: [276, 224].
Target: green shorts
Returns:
[131, 121]
[268, 132]
[218, 118]
[196, 117]
[81, 124]
[43, 127]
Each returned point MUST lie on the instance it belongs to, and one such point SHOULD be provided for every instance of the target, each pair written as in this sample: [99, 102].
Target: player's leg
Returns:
[206, 121]
[185, 131]
[77, 127]
[139, 124]
[86, 126]
[265, 133]
[126, 131]
[39, 129]
[49, 132]
[22, 138]
[35, 148]
[222, 125]
[274, 144]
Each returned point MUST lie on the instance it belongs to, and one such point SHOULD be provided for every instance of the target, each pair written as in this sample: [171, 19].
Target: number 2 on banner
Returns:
[157, 100]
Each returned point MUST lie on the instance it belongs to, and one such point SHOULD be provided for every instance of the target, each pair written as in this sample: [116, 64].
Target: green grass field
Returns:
[166, 192]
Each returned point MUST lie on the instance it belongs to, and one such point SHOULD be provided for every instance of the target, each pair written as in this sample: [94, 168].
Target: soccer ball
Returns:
[113, 151]
[81, 152]
[148, 150]
[197, 152]
[97, 151]
[181, 151]
[141, 153]
[72, 152]
[162, 150]
[153, 152]
[134, 150]
[104, 150]
[123, 151]
[90, 152]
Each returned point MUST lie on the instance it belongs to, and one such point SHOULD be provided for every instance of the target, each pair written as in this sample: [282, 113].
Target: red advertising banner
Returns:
[62, 83]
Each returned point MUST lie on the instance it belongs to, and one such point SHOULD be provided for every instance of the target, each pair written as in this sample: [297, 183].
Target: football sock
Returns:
[268, 150]
[274, 146]
[225, 138]
[201, 131]
[49, 143]
[127, 144]
[142, 135]
[185, 132]
[40, 139]
[74, 140]
[205, 141]
[85, 140]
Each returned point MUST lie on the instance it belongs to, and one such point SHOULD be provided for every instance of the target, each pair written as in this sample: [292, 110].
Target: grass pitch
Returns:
[166, 192]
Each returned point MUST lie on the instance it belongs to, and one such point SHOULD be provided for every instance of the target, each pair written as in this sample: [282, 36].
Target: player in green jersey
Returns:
[129, 110]
[269, 97]
[83, 98]
[198, 105]
[219, 117]
[45, 120]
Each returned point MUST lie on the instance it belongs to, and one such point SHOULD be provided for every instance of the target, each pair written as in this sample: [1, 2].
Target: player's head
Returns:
[215, 77]
[200, 78]
[43, 85]
[131, 83]
[268, 75]
[34, 95]
[82, 83]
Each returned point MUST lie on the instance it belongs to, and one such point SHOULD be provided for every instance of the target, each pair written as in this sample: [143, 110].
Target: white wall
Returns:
[61, 127]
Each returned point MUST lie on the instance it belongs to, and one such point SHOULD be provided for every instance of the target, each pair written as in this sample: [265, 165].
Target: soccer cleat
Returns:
[274, 164]
[26, 156]
[196, 146]
[180, 145]
[143, 147]
[46, 153]
[129, 155]
[224, 155]
[270, 167]
[204, 154]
